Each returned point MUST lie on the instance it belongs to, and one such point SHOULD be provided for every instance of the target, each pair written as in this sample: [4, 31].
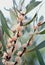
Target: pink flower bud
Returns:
[14, 38]
[35, 27]
[8, 45]
[19, 53]
[30, 43]
[10, 40]
[18, 27]
[9, 52]
[20, 16]
[18, 59]
[24, 45]
[5, 54]
[19, 34]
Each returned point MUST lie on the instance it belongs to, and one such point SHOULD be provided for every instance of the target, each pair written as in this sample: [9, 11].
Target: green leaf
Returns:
[24, 38]
[13, 15]
[21, 2]
[30, 20]
[41, 18]
[42, 26]
[42, 31]
[41, 45]
[1, 33]
[4, 24]
[1, 54]
[14, 3]
[3, 44]
[40, 59]
[31, 6]
[32, 1]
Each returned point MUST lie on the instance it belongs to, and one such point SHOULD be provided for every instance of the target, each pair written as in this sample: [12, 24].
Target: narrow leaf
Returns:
[32, 1]
[21, 2]
[42, 26]
[41, 45]
[4, 24]
[32, 5]
[42, 31]
[1, 33]
[41, 18]
[13, 15]
[40, 59]
[3, 44]
[30, 20]
[14, 3]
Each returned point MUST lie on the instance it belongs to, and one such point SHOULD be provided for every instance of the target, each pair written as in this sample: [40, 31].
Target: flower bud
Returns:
[18, 59]
[19, 28]
[9, 52]
[14, 38]
[19, 53]
[24, 45]
[30, 43]
[20, 16]
[18, 19]
[19, 34]
[35, 27]
[10, 40]
[8, 45]
[5, 54]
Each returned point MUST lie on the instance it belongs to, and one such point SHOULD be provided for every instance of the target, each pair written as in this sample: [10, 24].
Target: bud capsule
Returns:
[19, 28]
[35, 27]
[5, 54]
[19, 53]
[8, 45]
[18, 59]
[24, 45]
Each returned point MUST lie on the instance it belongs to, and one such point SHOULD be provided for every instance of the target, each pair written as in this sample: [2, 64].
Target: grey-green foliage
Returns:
[33, 52]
